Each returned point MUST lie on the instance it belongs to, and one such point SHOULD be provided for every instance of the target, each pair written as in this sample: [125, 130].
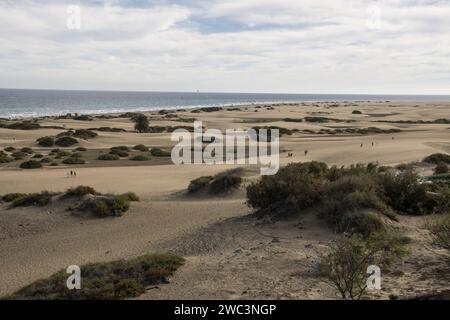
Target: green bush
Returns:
[46, 160]
[33, 199]
[85, 134]
[108, 157]
[120, 148]
[80, 191]
[441, 168]
[66, 141]
[73, 160]
[12, 196]
[18, 155]
[119, 153]
[10, 149]
[31, 164]
[437, 157]
[199, 184]
[346, 265]
[24, 125]
[46, 141]
[157, 152]
[141, 147]
[80, 149]
[110, 206]
[139, 158]
[4, 158]
[107, 280]
[38, 156]
[130, 196]
[27, 150]
[440, 231]
[356, 112]
[224, 183]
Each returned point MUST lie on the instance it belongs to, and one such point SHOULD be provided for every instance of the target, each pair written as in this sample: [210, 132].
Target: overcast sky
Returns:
[283, 46]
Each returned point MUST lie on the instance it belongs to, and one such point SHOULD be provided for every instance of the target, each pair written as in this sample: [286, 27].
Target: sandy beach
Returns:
[229, 253]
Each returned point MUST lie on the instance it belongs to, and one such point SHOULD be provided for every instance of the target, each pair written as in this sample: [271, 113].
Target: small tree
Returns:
[141, 123]
[346, 265]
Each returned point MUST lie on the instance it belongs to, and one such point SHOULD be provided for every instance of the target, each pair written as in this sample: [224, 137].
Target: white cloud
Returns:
[274, 46]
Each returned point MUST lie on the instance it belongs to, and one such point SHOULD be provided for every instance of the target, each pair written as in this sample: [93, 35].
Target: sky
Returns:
[271, 46]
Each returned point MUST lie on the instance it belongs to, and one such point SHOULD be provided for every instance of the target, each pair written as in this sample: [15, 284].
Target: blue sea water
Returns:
[17, 103]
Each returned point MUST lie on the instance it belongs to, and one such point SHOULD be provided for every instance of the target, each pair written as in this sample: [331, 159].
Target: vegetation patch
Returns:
[74, 160]
[436, 158]
[109, 157]
[140, 147]
[351, 199]
[221, 183]
[345, 267]
[106, 281]
[66, 141]
[31, 164]
[46, 141]
[80, 191]
[157, 152]
[4, 158]
[33, 199]
[440, 230]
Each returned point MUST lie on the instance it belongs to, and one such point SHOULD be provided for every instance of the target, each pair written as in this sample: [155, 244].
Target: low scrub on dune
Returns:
[109, 157]
[31, 164]
[73, 161]
[140, 147]
[345, 266]
[441, 168]
[221, 183]
[4, 158]
[46, 141]
[80, 191]
[27, 150]
[440, 230]
[10, 149]
[66, 141]
[33, 199]
[18, 155]
[157, 152]
[350, 199]
[130, 196]
[436, 158]
[106, 281]
[10, 197]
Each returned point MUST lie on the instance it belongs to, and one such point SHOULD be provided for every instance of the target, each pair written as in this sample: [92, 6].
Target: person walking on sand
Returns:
[362, 145]
[75, 174]
[306, 152]
[372, 144]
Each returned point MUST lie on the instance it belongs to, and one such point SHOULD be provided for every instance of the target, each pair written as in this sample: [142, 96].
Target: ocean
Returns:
[18, 103]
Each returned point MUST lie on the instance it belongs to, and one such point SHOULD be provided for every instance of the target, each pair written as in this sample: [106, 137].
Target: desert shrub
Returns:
[46, 141]
[80, 149]
[108, 157]
[18, 155]
[10, 149]
[110, 206]
[73, 160]
[199, 184]
[33, 199]
[54, 164]
[38, 156]
[46, 160]
[224, 183]
[31, 164]
[356, 112]
[83, 117]
[440, 231]
[441, 168]
[12, 196]
[141, 123]
[296, 186]
[130, 196]
[62, 153]
[437, 157]
[120, 148]
[66, 141]
[107, 280]
[85, 134]
[4, 158]
[76, 155]
[27, 150]
[345, 267]
[119, 153]
[140, 147]
[157, 152]
[139, 158]
[405, 193]
[24, 125]
[80, 191]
